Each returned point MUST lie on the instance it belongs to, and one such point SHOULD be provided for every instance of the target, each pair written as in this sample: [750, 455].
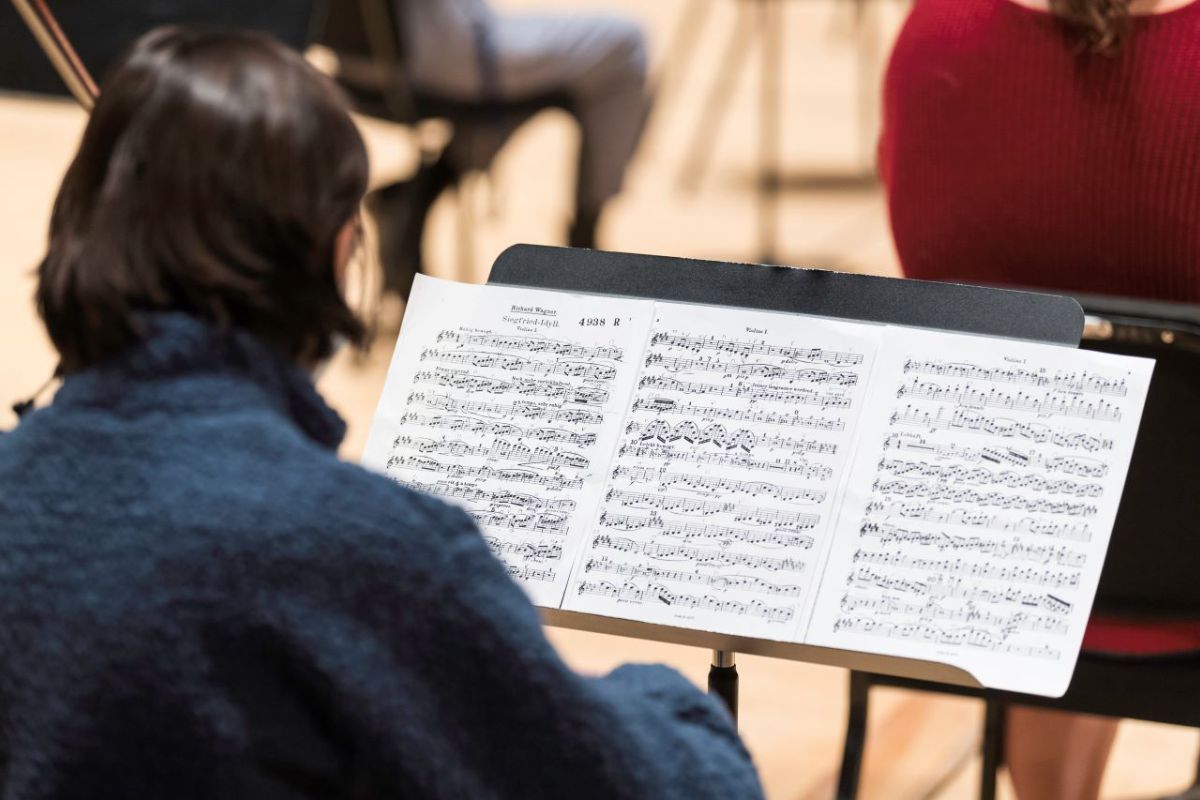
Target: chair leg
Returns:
[856, 736]
[995, 717]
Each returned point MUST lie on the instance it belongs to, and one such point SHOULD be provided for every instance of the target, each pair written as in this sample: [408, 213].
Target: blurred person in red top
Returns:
[1054, 144]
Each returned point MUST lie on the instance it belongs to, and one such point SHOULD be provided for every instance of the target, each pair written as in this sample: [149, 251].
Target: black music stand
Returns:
[862, 298]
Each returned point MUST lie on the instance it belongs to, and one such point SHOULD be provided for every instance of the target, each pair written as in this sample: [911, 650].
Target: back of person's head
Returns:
[216, 176]
[1099, 26]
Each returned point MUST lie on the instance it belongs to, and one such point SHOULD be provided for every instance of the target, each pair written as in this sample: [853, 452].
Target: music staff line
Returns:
[1083, 466]
[494, 499]
[476, 426]
[982, 476]
[718, 581]
[1071, 531]
[793, 419]
[537, 552]
[1044, 405]
[747, 349]
[691, 531]
[972, 420]
[532, 344]
[660, 595]
[464, 380]
[938, 492]
[1061, 578]
[540, 522]
[1005, 623]
[716, 435]
[525, 409]
[664, 479]
[781, 519]
[513, 363]
[498, 450]
[937, 588]
[1066, 382]
[484, 473]
[1002, 549]
[751, 390]
[702, 556]
[731, 369]
[967, 635]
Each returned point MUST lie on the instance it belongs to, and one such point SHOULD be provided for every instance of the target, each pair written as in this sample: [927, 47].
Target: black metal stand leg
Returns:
[856, 736]
[995, 717]
[770, 119]
[723, 680]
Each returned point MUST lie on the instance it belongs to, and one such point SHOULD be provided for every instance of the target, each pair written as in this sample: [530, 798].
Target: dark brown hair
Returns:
[1100, 26]
[213, 178]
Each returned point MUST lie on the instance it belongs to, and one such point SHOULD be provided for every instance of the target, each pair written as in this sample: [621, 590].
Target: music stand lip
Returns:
[917, 669]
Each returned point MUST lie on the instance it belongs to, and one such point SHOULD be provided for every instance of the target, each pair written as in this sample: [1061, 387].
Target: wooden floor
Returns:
[831, 216]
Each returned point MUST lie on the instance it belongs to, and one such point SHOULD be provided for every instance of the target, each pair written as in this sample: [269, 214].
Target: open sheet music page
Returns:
[507, 402]
[721, 497]
[871, 488]
[980, 504]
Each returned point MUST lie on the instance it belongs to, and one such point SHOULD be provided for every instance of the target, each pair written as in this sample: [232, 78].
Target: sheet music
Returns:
[505, 402]
[877, 489]
[980, 503]
[721, 496]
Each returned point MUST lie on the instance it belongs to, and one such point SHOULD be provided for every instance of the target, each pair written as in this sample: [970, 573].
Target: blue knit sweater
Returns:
[199, 600]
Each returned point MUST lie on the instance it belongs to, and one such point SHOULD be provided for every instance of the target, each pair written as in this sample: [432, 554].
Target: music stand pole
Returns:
[723, 679]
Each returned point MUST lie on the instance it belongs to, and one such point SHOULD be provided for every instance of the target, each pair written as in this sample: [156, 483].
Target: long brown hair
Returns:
[1100, 26]
[213, 178]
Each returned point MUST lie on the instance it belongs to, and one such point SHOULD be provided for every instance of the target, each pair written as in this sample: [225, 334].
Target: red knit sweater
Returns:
[1008, 158]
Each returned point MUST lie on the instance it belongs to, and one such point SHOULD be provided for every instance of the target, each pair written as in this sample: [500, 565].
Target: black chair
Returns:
[1153, 558]
[368, 39]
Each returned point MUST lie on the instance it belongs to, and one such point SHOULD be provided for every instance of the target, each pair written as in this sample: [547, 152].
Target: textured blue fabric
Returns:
[198, 600]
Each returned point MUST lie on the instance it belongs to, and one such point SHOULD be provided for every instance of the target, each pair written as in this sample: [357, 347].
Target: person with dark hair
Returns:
[199, 600]
[1052, 144]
